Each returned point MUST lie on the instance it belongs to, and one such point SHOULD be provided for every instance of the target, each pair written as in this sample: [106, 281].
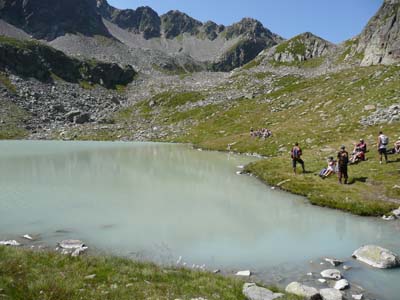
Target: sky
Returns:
[334, 20]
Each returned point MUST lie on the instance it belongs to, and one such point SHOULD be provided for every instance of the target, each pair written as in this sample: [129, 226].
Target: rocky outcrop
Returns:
[48, 19]
[252, 292]
[32, 59]
[377, 257]
[143, 20]
[309, 293]
[175, 23]
[212, 30]
[383, 116]
[380, 40]
[301, 48]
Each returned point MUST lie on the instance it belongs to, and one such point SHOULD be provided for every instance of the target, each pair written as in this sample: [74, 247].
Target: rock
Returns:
[243, 273]
[331, 294]
[396, 212]
[342, 284]
[369, 107]
[331, 274]
[357, 297]
[309, 293]
[334, 262]
[71, 244]
[78, 251]
[92, 276]
[28, 237]
[346, 267]
[72, 114]
[322, 280]
[9, 243]
[82, 118]
[389, 218]
[377, 257]
[252, 292]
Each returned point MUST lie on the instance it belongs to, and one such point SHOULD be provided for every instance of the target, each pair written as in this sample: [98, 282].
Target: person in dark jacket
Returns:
[343, 161]
[296, 154]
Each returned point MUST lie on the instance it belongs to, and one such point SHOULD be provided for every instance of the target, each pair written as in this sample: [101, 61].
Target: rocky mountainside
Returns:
[48, 19]
[170, 40]
[380, 40]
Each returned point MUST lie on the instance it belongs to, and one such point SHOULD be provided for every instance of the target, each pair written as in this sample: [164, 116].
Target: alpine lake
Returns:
[172, 204]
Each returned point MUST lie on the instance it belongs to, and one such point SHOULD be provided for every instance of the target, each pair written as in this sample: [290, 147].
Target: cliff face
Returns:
[380, 40]
[48, 19]
[33, 59]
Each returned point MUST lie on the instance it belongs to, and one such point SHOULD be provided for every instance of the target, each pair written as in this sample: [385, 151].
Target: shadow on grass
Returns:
[358, 179]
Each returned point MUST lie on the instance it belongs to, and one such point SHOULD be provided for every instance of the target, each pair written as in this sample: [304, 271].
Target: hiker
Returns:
[383, 141]
[397, 146]
[343, 160]
[296, 154]
[331, 169]
[359, 152]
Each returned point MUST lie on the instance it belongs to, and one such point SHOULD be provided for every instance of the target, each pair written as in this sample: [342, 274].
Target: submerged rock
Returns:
[309, 293]
[333, 261]
[377, 257]
[253, 292]
[331, 294]
[331, 274]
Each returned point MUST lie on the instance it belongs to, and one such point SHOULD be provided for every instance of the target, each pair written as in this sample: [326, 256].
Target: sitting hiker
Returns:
[359, 152]
[331, 169]
[252, 134]
[397, 146]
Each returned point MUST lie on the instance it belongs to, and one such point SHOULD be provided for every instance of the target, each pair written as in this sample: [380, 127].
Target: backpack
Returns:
[384, 140]
[296, 152]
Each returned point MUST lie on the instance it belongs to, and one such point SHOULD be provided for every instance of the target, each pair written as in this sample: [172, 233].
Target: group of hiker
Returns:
[260, 133]
[340, 166]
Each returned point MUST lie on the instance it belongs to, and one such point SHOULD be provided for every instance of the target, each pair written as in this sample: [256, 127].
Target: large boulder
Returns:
[254, 292]
[377, 257]
[331, 294]
[309, 293]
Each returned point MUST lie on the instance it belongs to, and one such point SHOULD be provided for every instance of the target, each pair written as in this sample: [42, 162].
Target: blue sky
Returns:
[334, 20]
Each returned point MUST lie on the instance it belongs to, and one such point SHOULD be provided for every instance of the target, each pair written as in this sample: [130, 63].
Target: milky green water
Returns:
[159, 202]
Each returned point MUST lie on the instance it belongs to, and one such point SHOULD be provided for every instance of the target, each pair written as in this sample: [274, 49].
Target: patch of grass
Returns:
[33, 275]
[86, 85]
[12, 119]
[252, 64]
[120, 88]
[294, 46]
[5, 81]
[173, 99]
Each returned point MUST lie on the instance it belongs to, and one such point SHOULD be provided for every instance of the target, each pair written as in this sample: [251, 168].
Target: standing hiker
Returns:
[343, 161]
[296, 157]
[383, 141]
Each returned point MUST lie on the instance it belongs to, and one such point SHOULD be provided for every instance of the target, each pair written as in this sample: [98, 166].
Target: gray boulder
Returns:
[309, 293]
[331, 274]
[71, 244]
[331, 294]
[253, 292]
[377, 257]
[342, 284]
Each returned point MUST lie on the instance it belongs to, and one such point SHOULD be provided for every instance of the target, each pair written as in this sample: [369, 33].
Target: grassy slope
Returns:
[327, 117]
[11, 116]
[41, 275]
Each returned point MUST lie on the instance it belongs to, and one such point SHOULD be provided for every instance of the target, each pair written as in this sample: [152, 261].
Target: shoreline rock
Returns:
[377, 257]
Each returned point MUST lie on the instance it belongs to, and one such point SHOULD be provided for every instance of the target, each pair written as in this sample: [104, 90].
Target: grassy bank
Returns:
[43, 275]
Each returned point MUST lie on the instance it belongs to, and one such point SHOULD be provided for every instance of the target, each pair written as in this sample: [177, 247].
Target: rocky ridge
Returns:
[380, 40]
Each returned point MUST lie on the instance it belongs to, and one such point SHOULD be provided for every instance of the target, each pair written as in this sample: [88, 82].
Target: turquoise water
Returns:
[160, 201]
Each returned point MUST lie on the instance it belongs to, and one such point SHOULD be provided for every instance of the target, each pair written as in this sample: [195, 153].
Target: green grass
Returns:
[12, 120]
[295, 46]
[5, 81]
[43, 275]
[86, 85]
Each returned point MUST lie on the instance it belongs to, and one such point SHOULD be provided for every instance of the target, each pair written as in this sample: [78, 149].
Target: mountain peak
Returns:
[175, 23]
